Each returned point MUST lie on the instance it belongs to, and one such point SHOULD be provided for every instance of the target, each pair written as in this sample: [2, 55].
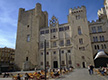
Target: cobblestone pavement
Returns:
[77, 74]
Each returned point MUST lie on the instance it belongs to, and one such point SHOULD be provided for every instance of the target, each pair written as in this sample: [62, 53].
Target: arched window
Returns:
[79, 30]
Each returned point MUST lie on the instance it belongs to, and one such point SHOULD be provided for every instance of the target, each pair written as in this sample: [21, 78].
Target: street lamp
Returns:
[66, 60]
[60, 58]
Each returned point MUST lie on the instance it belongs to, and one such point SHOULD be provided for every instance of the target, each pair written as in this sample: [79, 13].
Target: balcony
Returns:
[100, 41]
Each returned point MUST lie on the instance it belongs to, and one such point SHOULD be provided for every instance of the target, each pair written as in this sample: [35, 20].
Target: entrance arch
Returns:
[83, 64]
[55, 64]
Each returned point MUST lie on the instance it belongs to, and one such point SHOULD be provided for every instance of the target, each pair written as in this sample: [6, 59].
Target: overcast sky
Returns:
[59, 8]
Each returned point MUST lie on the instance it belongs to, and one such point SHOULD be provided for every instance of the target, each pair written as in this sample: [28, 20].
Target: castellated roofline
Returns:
[21, 9]
[77, 9]
[94, 21]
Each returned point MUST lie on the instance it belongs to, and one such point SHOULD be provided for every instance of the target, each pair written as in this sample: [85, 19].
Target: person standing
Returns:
[35, 69]
[91, 69]
[26, 76]
[18, 77]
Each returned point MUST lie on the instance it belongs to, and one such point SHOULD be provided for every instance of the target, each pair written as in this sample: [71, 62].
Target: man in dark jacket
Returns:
[91, 69]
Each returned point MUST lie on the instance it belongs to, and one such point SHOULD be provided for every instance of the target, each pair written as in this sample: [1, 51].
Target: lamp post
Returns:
[45, 56]
[60, 58]
[66, 60]
[0, 68]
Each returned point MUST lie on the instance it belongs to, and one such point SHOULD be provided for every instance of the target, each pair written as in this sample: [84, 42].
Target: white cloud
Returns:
[8, 24]
[7, 39]
[4, 42]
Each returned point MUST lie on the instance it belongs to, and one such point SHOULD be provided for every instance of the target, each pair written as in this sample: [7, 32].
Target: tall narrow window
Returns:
[28, 38]
[47, 63]
[26, 58]
[99, 28]
[47, 44]
[68, 42]
[96, 39]
[61, 43]
[77, 17]
[81, 41]
[97, 46]
[79, 30]
[105, 46]
[102, 46]
[102, 38]
[54, 44]
[93, 39]
[41, 45]
[93, 29]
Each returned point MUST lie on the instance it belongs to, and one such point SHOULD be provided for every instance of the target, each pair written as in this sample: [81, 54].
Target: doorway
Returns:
[55, 63]
[83, 64]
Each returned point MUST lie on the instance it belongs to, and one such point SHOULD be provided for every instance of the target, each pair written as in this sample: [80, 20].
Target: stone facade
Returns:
[68, 44]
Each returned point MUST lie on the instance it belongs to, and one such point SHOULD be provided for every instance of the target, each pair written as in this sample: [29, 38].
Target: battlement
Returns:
[77, 9]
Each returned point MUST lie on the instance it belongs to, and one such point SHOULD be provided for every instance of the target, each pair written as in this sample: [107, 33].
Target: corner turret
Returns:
[38, 9]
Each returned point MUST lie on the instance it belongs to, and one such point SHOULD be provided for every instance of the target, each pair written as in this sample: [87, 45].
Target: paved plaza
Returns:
[77, 74]
[82, 74]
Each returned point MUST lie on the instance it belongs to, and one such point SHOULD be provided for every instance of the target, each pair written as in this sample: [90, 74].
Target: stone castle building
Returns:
[7, 56]
[70, 44]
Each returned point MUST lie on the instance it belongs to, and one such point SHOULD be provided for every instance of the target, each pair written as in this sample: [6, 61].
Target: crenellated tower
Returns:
[27, 42]
[80, 37]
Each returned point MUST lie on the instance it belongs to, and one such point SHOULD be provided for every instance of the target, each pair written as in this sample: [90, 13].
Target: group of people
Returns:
[103, 70]
[6, 75]
[51, 73]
